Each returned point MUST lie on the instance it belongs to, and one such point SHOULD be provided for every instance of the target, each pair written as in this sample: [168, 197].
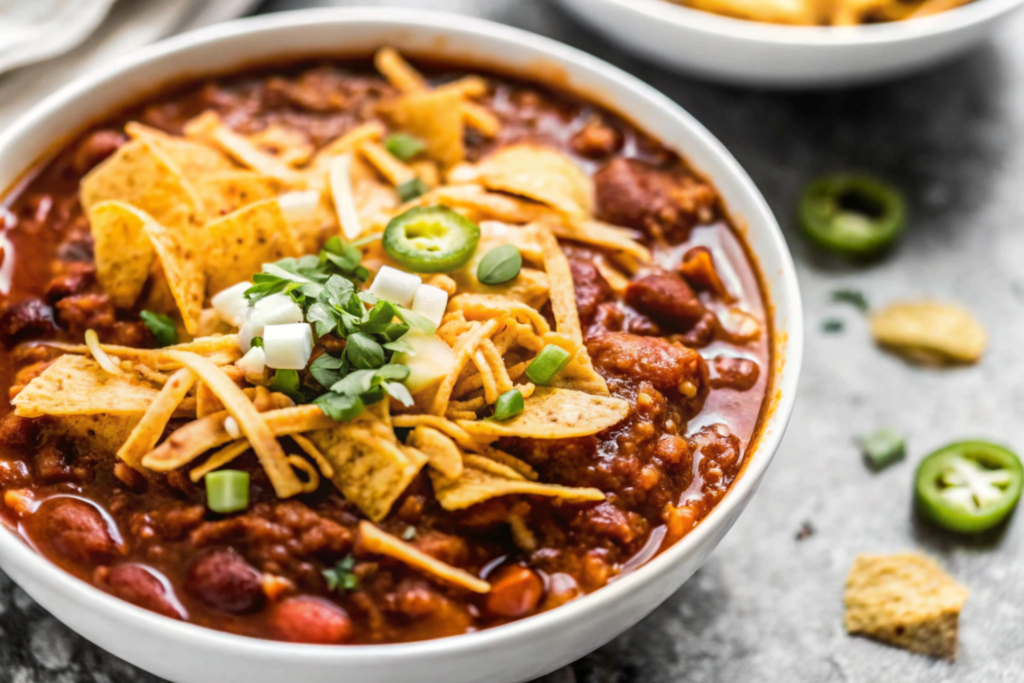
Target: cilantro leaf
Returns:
[339, 407]
[355, 383]
[287, 382]
[327, 370]
[324, 318]
[399, 392]
[362, 351]
[340, 577]
[161, 326]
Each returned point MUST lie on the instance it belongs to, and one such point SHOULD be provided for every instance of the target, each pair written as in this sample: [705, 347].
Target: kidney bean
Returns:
[307, 619]
[223, 580]
[515, 592]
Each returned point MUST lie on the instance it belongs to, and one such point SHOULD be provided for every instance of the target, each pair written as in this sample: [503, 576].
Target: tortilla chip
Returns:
[370, 471]
[237, 245]
[441, 451]
[476, 486]
[434, 117]
[223, 192]
[373, 540]
[542, 174]
[143, 176]
[930, 332]
[219, 350]
[192, 158]
[287, 145]
[905, 600]
[208, 128]
[603, 235]
[181, 252]
[99, 434]
[123, 252]
[151, 427]
[76, 385]
[553, 413]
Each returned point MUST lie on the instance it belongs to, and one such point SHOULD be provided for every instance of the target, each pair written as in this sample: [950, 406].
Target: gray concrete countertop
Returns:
[767, 606]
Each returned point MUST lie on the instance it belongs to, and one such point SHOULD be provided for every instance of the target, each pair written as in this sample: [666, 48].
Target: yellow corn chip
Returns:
[99, 434]
[181, 257]
[122, 249]
[542, 174]
[434, 117]
[476, 485]
[553, 413]
[442, 453]
[287, 145]
[223, 192]
[369, 470]
[144, 177]
[208, 128]
[76, 385]
[374, 540]
[193, 159]
[602, 235]
[237, 245]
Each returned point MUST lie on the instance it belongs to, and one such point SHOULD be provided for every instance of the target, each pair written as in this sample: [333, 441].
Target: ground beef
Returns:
[596, 140]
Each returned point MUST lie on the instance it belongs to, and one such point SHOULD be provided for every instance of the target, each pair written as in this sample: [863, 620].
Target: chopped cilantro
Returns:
[832, 325]
[161, 326]
[340, 577]
[853, 297]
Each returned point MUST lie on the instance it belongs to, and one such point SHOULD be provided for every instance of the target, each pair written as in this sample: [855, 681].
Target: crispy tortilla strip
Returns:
[181, 257]
[369, 470]
[144, 177]
[493, 307]
[399, 72]
[208, 128]
[238, 405]
[476, 486]
[192, 158]
[237, 245]
[464, 350]
[482, 119]
[345, 143]
[219, 459]
[76, 385]
[442, 453]
[224, 192]
[150, 428]
[494, 467]
[542, 174]
[393, 169]
[123, 252]
[553, 413]
[340, 178]
[288, 145]
[199, 436]
[434, 117]
[373, 540]
[603, 235]
[220, 350]
[482, 205]
[312, 451]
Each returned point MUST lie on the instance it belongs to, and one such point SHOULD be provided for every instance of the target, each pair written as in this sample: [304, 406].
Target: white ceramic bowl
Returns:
[755, 53]
[518, 651]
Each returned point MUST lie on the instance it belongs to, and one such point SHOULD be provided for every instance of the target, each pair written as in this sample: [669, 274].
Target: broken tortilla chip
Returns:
[143, 176]
[369, 470]
[237, 245]
[930, 332]
[373, 540]
[542, 174]
[181, 257]
[603, 235]
[434, 117]
[76, 385]
[192, 158]
[553, 413]
[123, 252]
[151, 427]
[476, 486]
[441, 451]
[224, 192]
[208, 128]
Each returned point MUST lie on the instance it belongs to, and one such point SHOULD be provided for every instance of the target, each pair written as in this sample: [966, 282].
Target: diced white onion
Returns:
[395, 285]
[92, 340]
[231, 303]
[288, 347]
[299, 206]
[340, 178]
[276, 309]
[252, 363]
[431, 360]
[232, 428]
[430, 302]
[7, 269]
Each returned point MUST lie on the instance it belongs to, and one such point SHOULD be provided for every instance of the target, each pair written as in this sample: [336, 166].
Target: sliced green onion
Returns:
[411, 189]
[227, 491]
[883, 447]
[549, 362]
[499, 265]
[508, 405]
[404, 146]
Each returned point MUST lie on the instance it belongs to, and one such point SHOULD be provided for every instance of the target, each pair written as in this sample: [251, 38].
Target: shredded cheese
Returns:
[92, 342]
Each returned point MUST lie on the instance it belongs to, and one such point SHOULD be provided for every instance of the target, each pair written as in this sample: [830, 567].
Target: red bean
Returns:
[667, 298]
[307, 619]
[223, 580]
[139, 586]
[74, 530]
[515, 592]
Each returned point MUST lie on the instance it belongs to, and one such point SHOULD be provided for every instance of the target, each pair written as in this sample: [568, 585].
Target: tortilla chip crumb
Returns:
[905, 600]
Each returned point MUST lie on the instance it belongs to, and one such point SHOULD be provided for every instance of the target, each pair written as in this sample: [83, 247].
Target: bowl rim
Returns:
[835, 37]
[787, 361]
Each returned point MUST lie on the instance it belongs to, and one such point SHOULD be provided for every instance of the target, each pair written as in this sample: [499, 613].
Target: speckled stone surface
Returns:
[766, 607]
